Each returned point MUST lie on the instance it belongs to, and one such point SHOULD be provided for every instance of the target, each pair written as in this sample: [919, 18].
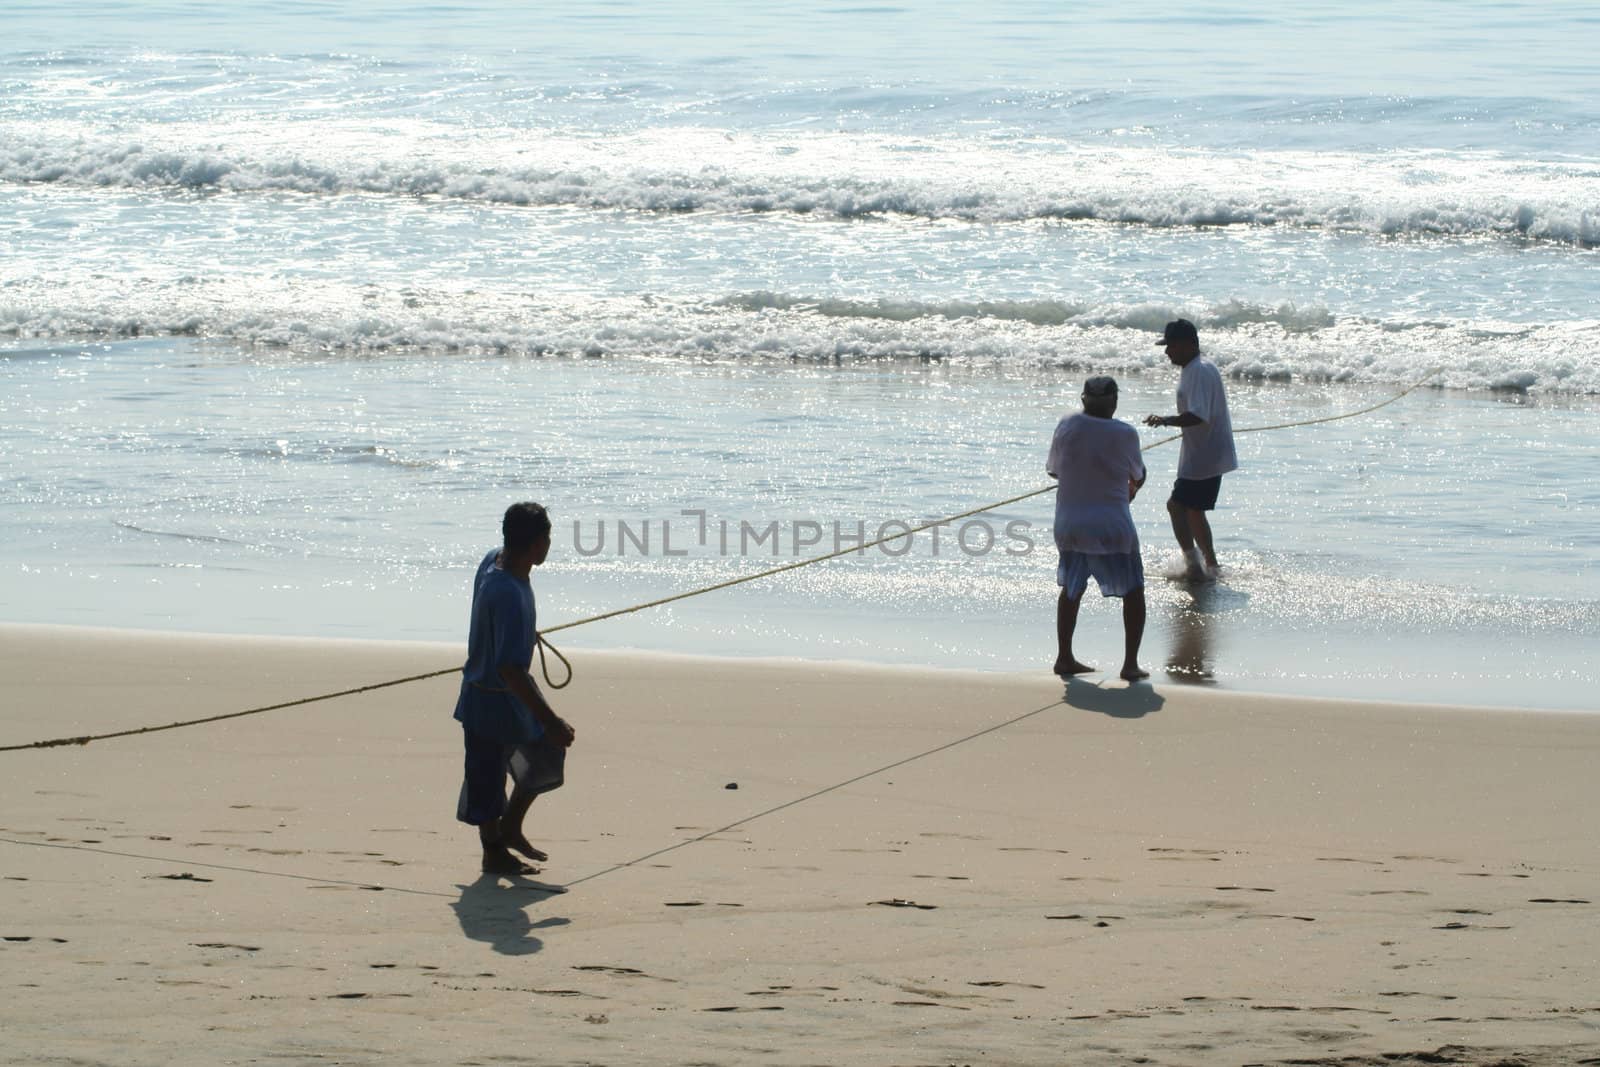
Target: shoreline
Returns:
[445, 650]
[784, 862]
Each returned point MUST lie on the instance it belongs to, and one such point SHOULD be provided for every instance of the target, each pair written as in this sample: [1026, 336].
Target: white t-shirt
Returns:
[1207, 449]
[1093, 460]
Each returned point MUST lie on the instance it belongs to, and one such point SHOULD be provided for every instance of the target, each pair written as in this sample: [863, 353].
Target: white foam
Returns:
[1249, 342]
[840, 175]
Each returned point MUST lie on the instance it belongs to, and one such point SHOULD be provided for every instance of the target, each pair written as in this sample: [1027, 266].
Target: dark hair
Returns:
[524, 524]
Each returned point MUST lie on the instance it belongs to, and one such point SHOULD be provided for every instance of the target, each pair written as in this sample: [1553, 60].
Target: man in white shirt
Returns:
[1206, 453]
[1096, 463]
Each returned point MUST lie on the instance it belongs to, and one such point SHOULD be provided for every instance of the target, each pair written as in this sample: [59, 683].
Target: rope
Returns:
[541, 643]
[814, 795]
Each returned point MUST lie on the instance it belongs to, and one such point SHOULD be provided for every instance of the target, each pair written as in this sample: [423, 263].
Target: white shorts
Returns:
[1116, 573]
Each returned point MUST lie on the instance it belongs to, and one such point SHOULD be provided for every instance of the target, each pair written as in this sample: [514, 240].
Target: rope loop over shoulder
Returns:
[544, 668]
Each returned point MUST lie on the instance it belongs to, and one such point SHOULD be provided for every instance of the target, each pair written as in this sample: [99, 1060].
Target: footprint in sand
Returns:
[997, 985]
[896, 902]
[1027, 848]
[1409, 993]
[1491, 874]
[738, 1007]
[224, 944]
[1556, 900]
[1249, 889]
[29, 937]
[621, 972]
[186, 876]
[368, 888]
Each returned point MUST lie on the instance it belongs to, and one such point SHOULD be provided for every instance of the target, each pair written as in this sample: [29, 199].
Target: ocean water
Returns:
[295, 297]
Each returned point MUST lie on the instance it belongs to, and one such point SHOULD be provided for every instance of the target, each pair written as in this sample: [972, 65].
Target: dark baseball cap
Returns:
[1100, 385]
[1179, 330]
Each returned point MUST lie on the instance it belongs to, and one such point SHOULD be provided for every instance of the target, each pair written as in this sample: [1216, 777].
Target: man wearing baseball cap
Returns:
[1206, 453]
[1097, 466]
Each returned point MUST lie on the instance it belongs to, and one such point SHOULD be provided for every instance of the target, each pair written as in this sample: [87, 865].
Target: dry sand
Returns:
[1111, 876]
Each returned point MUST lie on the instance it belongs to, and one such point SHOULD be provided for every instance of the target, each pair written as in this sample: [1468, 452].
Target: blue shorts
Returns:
[1116, 573]
[1196, 494]
[535, 767]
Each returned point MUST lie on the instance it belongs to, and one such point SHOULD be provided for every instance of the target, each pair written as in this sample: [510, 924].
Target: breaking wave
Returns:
[1249, 342]
[842, 177]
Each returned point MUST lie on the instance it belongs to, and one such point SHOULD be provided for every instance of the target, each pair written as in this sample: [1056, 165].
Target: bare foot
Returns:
[496, 860]
[1070, 667]
[1132, 672]
[514, 840]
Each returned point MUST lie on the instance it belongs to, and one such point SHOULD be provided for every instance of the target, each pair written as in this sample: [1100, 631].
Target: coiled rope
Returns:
[541, 644]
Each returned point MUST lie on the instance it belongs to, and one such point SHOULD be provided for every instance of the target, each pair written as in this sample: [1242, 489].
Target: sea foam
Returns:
[845, 176]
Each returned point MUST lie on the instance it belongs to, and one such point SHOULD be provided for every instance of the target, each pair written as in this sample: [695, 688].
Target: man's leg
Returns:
[1200, 527]
[509, 826]
[1133, 615]
[1180, 525]
[1183, 528]
[483, 803]
[1066, 623]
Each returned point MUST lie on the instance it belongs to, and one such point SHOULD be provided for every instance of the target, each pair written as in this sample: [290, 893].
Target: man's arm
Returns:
[1188, 418]
[521, 685]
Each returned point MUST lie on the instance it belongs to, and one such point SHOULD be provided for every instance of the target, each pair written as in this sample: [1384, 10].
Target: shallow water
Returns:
[1443, 547]
[297, 297]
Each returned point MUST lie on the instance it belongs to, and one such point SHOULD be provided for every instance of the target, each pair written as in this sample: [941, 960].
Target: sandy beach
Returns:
[916, 867]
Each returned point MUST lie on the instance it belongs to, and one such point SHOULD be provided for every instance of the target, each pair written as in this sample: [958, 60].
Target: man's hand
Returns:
[1155, 420]
[561, 732]
[1133, 489]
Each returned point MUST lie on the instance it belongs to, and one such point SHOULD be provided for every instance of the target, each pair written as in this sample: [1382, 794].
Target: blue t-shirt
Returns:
[502, 634]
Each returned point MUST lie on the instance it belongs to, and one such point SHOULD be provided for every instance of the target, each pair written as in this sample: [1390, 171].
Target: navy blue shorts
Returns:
[1196, 494]
[535, 767]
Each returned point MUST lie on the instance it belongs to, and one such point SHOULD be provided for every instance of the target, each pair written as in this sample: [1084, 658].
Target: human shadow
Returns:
[1133, 701]
[496, 913]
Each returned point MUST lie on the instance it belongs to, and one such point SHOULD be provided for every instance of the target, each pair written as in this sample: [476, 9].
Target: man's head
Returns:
[1100, 396]
[1181, 341]
[526, 529]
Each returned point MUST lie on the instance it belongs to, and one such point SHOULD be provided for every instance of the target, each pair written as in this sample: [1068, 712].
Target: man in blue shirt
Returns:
[507, 725]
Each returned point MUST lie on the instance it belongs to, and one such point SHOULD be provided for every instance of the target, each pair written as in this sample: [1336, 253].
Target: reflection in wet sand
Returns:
[1192, 660]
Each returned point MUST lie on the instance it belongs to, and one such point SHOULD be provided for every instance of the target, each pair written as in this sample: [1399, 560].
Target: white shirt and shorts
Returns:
[1207, 452]
[1093, 461]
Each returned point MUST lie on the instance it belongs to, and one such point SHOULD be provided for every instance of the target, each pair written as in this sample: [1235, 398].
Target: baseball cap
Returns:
[1179, 330]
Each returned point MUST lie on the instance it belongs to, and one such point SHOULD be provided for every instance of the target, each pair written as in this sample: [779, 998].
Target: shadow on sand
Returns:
[496, 913]
[1130, 702]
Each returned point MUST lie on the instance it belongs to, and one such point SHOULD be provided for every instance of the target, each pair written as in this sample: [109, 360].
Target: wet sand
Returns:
[916, 866]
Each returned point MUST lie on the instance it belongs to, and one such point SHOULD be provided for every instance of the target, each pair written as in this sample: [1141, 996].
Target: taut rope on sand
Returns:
[542, 644]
